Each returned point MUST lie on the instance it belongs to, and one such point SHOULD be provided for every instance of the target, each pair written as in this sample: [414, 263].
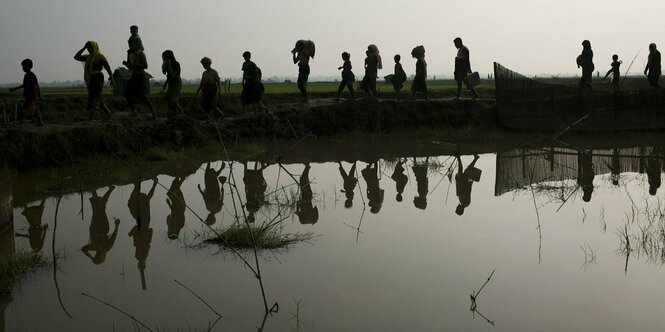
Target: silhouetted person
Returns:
[350, 182]
[93, 63]
[141, 235]
[100, 241]
[399, 75]
[374, 191]
[400, 179]
[420, 172]
[213, 195]
[176, 202]
[36, 232]
[138, 86]
[255, 188]
[462, 66]
[585, 61]
[173, 85]
[652, 69]
[31, 93]
[209, 88]
[585, 173]
[464, 183]
[615, 167]
[139, 203]
[251, 93]
[653, 171]
[419, 83]
[306, 211]
[372, 65]
[347, 76]
[302, 52]
[134, 37]
[616, 74]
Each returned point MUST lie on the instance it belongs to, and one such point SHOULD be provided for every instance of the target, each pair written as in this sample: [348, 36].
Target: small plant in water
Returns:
[13, 266]
[240, 236]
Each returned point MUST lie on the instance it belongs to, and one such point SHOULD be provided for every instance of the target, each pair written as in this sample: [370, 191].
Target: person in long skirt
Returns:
[93, 63]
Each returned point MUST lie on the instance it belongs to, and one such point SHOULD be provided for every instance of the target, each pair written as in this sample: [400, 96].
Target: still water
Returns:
[575, 237]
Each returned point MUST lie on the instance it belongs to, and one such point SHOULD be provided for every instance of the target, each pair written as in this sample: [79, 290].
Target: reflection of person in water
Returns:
[100, 241]
[306, 211]
[142, 236]
[653, 171]
[585, 173]
[139, 203]
[374, 191]
[255, 188]
[400, 179]
[350, 182]
[463, 183]
[213, 195]
[615, 167]
[36, 232]
[176, 201]
[420, 172]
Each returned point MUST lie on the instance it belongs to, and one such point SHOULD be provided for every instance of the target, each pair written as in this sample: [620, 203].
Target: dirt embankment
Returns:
[123, 136]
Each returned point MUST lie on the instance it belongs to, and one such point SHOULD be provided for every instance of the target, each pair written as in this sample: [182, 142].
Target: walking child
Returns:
[347, 76]
[399, 77]
[616, 63]
[31, 93]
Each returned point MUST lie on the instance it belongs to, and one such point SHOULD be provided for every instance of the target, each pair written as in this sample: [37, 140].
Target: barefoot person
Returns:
[251, 93]
[419, 84]
[31, 93]
[462, 66]
[585, 61]
[372, 65]
[173, 84]
[347, 76]
[303, 50]
[652, 69]
[616, 64]
[138, 87]
[209, 88]
[93, 63]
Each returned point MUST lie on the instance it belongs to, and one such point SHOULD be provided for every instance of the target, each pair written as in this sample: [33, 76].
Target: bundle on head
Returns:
[305, 46]
[418, 51]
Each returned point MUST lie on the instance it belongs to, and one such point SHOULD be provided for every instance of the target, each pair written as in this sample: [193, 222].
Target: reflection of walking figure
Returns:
[585, 60]
[372, 65]
[173, 85]
[400, 179]
[420, 172]
[93, 63]
[306, 211]
[100, 242]
[36, 232]
[350, 182]
[139, 203]
[616, 63]
[464, 181]
[138, 86]
[142, 237]
[213, 195]
[615, 167]
[374, 191]
[176, 202]
[303, 50]
[652, 69]
[462, 66]
[653, 171]
[31, 93]
[419, 81]
[255, 188]
[585, 173]
[347, 76]
[399, 75]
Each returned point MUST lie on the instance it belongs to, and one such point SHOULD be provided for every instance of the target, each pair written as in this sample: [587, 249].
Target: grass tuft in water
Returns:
[240, 237]
[13, 266]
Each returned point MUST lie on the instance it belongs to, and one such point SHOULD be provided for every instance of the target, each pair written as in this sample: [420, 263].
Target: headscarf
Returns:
[94, 55]
[375, 51]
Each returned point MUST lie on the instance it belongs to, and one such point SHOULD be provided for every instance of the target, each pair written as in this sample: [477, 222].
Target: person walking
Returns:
[173, 85]
[93, 63]
[652, 70]
[462, 66]
[585, 61]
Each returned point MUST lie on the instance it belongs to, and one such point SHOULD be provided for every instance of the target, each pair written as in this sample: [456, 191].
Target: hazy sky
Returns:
[529, 36]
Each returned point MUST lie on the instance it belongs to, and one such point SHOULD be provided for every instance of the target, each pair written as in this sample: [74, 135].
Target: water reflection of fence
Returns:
[518, 168]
